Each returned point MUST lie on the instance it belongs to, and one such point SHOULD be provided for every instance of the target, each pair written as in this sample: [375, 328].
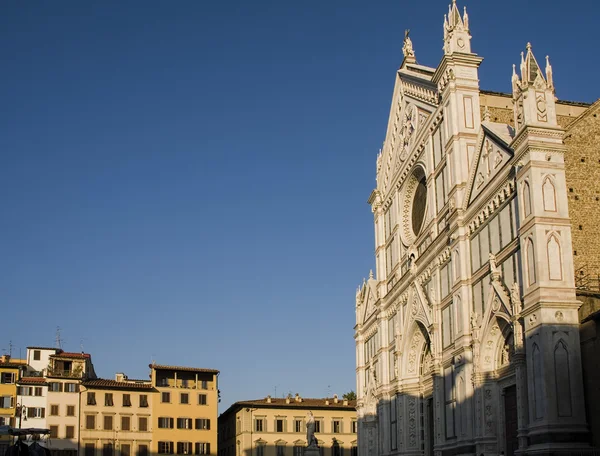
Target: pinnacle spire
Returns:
[549, 78]
[456, 30]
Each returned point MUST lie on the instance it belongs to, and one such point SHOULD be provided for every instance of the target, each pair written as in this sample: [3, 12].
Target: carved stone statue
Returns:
[407, 49]
[515, 299]
[494, 269]
[310, 431]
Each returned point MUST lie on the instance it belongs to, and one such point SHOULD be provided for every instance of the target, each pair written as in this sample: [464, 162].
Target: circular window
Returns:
[418, 206]
[414, 206]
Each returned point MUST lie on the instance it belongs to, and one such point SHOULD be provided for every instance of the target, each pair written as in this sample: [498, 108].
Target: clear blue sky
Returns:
[187, 181]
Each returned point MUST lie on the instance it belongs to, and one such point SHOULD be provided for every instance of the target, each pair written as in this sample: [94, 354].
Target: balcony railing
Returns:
[74, 373]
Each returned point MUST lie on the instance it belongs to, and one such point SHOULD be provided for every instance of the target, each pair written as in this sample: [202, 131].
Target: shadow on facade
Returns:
[332, 448]
[504, 395]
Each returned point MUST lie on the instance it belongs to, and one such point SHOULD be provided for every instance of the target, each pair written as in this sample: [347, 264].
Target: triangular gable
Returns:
[369, 302]
[493, 154]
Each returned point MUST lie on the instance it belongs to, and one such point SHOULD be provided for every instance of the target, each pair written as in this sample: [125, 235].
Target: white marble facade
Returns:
[467, 334]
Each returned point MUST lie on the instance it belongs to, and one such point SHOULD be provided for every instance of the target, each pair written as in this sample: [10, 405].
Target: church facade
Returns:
[467, 334]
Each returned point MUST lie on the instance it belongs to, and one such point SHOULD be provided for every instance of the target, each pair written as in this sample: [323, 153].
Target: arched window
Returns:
[530, 261]
[554, 259]
[549, 195]
[526, 199]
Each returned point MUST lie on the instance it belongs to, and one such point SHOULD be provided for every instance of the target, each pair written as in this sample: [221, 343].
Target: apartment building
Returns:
[185, 410]
[116, 417]
[64, 375]
[277, 427]
[10, 373]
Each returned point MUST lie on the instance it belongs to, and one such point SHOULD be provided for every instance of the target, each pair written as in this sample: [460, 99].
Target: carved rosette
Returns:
[489, 412]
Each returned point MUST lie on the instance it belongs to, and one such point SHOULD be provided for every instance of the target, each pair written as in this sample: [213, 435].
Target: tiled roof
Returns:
[11, 365]
[62, 354]
[42, 348]
[113, 384]
[181, 368]
[32, 381]
[305, 403]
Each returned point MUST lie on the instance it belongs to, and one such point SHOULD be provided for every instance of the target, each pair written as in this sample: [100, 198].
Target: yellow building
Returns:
[184, 412]
[116, 417]
[277, 427]
[10, 373]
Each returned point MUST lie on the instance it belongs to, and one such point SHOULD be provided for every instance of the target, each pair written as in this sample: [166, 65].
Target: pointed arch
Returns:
[538, 393]
[554, 258]
[530, 252]
[549, 195]
[413, 350]
[526, 195]
[456, 266]
[562, 378]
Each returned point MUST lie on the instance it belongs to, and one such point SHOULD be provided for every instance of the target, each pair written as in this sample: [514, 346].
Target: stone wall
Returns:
[589, 332]
[582, 164]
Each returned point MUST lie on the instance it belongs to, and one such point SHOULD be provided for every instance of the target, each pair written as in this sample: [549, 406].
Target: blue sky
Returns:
[187, 181]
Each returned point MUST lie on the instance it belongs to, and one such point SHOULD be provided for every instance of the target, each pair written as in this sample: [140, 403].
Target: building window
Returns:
[260, 449]
[125, 449]
[165, 447]
[54, 410]
[125, 423]
[70, 410]
[298, 450]
[143, 424]
[91, 398]
[143, 400]
[184, 447]
[336, 426]
[37, 355]
[38, 391]
[184, 398]
[90, 422]
[203, 423]
[165, 397]
[53, 432]
[6, 402]
[107, 449]
[165, 422]
[142, 450]
[279, 425]
[71, 387]
[126, 400]
[354, 426]
[70, 434]
[297, 425]
[318, 426]
[108, 399]
[280, 450]
[7, 378]
[202, 448]
[108, 423]
[204, 384]
[259, 425]
[36, 412]
[354, 450]
[55, 387]
[336, 449]
[23, 391]
[90, 449]
[202, 399]
[184, 423]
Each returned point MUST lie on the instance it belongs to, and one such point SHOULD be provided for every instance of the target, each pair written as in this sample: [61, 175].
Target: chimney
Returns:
[335, 399]
[345, 402]
[326, 401]
[269, 399]
[5, 358]
[119, 377]
[298, 398]
[287, 400]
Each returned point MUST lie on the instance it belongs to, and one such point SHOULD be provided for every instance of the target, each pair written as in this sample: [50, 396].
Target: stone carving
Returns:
[480, 180]
[488, 412]
[310, 431]
[412, 422]
[412, 354]
[407, 49]
[494, 269]
[515, 299]
[559, 316]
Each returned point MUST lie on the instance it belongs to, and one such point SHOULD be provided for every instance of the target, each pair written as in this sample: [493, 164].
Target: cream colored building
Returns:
[466, 335]
[64, 375]
[277, 427]
[116, 417]
[185, 410]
